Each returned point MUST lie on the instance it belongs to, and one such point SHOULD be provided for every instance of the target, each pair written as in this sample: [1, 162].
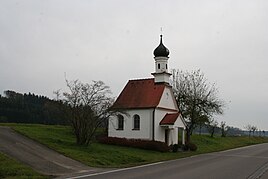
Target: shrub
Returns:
[175, 147]
[192, 146]
[137, 143]
[189, 146]
[185, 147]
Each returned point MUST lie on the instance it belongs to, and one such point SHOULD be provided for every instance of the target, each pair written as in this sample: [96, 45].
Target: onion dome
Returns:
[161, 50]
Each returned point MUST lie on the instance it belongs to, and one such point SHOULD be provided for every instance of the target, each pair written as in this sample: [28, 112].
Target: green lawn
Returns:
[207, 144]
[60, 138]
[10, 168]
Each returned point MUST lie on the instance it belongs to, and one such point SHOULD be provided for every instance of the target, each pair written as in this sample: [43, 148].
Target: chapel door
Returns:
[166, 136]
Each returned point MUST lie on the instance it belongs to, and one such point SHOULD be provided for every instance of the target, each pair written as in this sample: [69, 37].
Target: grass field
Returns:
[60, 138]
[10, 168]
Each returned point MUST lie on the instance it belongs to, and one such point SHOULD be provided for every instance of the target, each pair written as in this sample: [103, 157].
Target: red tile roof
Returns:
[142, 93]
[169, 119]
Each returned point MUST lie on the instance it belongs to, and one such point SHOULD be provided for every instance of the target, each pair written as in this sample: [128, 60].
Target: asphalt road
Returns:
[39, 157]
[247, 162]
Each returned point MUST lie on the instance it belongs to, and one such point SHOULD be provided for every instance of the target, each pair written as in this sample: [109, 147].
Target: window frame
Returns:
[136, 122]
[120, 122]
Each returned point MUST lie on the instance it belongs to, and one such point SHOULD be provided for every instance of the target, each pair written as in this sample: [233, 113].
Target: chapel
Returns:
[149, 105]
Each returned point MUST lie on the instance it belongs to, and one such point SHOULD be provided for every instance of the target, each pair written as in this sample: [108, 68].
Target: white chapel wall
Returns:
[159, 131]
[179, 123]
[167, 100]
[145, 131]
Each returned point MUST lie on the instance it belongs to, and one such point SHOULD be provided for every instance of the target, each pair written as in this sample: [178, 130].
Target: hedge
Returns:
[136, 143]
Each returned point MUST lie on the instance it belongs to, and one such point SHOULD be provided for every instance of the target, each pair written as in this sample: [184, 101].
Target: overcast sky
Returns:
[113, 41]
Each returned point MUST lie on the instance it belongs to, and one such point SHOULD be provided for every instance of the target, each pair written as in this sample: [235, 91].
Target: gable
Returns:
[143, 93]
[173, 119]
[167, 100]
[169, 119]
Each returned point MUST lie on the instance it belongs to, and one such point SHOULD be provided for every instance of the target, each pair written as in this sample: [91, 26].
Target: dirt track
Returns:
[39, 157]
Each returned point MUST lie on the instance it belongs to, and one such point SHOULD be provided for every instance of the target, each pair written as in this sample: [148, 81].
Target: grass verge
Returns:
[60, 138]
[10, 168]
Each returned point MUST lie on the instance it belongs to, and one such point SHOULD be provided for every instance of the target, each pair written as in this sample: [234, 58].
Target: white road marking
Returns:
[219, 153]
[118, 170]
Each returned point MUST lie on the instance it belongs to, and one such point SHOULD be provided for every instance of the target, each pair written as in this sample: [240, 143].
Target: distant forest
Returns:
[30, 108]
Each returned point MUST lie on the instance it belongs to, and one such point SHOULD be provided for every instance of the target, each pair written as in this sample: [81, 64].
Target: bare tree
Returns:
[195, 97]
[89, 106]
[253, 129]
[212, 126]
[224, 128]
[57, 94]
[249, 129]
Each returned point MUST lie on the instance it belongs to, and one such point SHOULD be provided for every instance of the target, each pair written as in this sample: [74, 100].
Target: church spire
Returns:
[161, 50]
[161, 53]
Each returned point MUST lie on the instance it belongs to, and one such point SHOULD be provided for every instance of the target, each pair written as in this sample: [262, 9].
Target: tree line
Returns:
[30, 108]
[251, 129]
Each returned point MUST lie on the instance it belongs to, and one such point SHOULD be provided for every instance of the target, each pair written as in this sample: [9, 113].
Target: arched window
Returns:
[158, 65]
[166, 66]
[136, 119]
[120, 122]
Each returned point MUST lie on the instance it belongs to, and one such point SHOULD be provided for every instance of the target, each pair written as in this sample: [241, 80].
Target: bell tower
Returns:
[161, 74]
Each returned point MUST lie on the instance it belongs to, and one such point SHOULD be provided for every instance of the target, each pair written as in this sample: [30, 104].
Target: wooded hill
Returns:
[30, 108]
